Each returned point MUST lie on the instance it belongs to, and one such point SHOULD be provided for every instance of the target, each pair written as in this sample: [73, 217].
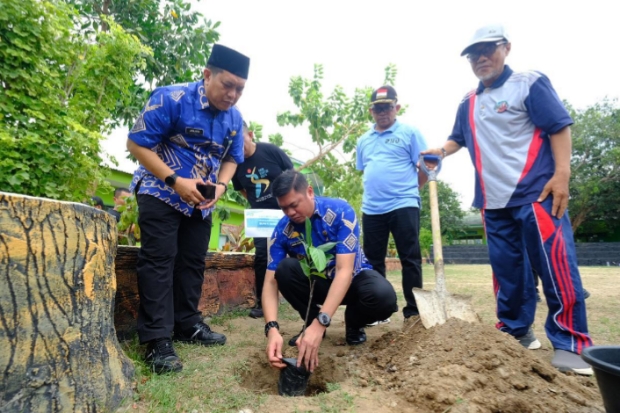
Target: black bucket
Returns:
[293, 380]
[605, 361]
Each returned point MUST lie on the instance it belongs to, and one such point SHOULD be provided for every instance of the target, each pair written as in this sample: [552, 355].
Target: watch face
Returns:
[324, 319]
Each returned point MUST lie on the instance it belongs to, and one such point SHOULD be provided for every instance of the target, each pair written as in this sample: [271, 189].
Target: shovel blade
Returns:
[436, 309]
[430, 306]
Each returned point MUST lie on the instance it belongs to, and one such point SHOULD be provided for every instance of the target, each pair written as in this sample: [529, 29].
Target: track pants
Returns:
[527, 236]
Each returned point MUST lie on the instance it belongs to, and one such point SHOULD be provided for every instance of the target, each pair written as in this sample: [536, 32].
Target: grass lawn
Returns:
[210, 380]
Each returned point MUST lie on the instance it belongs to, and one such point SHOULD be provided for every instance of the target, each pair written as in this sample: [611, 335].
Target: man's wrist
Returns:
[225, 185]
[271, 325]
[444, 153]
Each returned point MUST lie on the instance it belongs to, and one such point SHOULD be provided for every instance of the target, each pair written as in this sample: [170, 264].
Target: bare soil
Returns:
[457, 367]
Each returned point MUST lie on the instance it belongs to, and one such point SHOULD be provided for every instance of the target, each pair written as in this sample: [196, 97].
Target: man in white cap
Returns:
[188, 137]
[518, 135]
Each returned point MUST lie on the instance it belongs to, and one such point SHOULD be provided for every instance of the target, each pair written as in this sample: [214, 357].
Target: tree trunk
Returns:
[58, 346]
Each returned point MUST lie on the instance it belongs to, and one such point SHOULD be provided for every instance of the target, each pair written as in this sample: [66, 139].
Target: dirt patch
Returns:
[470, 368]
[259, 376]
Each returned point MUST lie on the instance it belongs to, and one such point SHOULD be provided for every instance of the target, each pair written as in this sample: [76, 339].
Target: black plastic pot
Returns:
[293, 380]
[605, 361]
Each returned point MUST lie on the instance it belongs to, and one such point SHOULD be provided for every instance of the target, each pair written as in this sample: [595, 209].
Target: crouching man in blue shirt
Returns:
[350, 281]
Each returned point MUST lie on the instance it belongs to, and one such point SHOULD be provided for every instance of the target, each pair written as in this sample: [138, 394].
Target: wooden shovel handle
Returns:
[440, 280]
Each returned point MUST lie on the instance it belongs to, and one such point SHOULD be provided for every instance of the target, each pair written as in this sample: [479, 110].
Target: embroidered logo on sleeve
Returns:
[349, 224]
[351, 242]
[329, 217]
[177, 95]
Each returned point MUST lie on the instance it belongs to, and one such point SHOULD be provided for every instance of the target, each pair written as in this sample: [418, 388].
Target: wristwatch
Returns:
[324, 319]
[270, 325]
[223, 184]
[171, 180]
[444, 153]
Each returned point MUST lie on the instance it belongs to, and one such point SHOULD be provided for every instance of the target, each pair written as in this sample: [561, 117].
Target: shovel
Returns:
[437, 306]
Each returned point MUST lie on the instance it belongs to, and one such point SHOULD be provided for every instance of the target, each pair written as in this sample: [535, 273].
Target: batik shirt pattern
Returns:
[334, 220]
[191, 138]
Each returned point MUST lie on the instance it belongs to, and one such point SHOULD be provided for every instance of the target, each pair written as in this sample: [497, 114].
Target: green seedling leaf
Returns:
[327, 246]
[308, 232]
[305, 268]
[318, 258]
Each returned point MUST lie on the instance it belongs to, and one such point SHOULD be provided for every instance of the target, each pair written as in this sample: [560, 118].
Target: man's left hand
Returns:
[309, 346]
[219, 191]
[558, 188]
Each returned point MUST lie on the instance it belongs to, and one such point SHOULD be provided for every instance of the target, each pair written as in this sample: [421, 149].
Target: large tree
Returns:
[595, 164]
[58, 89]
[179, 37]
[334, 122]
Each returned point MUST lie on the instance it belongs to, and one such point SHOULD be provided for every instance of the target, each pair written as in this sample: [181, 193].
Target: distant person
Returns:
[96, 202]
[388, 155]
[263, 162]
[518, 135]
[119, 199]
[188, 140]
[350, 279]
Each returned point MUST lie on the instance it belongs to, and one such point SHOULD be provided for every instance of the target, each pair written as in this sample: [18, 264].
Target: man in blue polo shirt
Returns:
[188, 136]
[518, 135]
[350, 279]
[388, 154]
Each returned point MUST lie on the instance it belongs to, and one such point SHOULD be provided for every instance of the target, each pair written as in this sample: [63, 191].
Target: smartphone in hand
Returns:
[207, 191]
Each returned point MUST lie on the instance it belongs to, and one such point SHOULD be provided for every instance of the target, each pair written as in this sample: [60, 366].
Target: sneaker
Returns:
[586, 294]
[256, 312]
[355, 336]
[376, 323]
[529, 340]
[200, 333]
[293, 341]
[161, 356]
[566, 361]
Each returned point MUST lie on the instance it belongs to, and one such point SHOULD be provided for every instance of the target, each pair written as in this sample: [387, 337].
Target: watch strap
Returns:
[223, 184]
[270, 325]
[170, 180]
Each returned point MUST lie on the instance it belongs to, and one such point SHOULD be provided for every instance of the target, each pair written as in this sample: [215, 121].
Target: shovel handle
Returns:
[440, 279]
[431, 173]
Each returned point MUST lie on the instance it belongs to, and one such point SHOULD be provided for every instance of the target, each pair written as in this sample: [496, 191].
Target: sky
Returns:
[574, 43]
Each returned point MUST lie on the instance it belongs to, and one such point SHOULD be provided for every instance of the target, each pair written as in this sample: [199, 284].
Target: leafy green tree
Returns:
[334, 123]
[58, 89]
[450, 212]
[595, 167]
[179, 37]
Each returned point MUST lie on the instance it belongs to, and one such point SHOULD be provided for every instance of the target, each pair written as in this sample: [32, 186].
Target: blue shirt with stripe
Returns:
[506, 129]
[389, 160]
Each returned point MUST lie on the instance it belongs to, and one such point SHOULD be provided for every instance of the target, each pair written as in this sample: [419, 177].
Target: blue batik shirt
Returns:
[178, 124]
[333, 220]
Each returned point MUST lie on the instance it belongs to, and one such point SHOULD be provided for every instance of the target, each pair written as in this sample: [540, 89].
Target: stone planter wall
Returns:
[228, 284]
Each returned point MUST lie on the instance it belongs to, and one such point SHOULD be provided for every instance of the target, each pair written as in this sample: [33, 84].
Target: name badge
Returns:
[194, 131]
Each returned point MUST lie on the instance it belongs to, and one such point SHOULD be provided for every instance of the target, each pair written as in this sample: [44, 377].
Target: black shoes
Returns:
[200, 333]
[161, 356]
[355, 336]
[256, 312]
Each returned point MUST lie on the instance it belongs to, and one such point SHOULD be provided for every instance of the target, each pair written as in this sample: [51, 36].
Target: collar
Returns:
[499, 82]
[391, 129]
[319, 208]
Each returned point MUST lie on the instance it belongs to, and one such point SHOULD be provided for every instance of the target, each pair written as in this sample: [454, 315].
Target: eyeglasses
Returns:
[382, 108]
[487, 49]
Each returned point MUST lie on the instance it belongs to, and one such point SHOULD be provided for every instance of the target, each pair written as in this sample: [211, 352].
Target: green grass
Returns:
[210, 380]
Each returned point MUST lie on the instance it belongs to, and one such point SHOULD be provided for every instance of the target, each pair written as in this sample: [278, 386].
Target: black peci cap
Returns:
[230, 60]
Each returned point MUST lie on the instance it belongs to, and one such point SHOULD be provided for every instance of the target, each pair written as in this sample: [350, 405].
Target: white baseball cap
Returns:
[490, 33]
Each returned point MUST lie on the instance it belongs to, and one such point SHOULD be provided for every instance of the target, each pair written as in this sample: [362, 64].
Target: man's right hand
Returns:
[274, 348]
[186, 188]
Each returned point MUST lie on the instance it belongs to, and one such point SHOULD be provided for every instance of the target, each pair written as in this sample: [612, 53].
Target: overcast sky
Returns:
[575, 45]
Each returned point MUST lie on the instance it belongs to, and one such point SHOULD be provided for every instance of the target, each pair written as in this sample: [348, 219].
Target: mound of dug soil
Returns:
[469, 368]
